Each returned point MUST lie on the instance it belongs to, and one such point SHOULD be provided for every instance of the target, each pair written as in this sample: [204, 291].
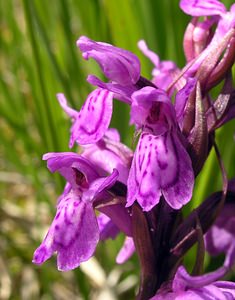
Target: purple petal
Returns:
[142, 103]
[177, 180]
[122, 93]
[126, 251]
[226, 23]
[200, 8]
[109, 154]
[186, 287]
[67, 162]
[144, 179]
[119, 216]
[160, 165]
[93, 119]
[98, 186]
[181, 98]
[68, 110]
[221, 236]
[163, 72]
[150, 54]
[74, 234]
[106, 227]
[117, 64]
[228, 288]
[183, 280]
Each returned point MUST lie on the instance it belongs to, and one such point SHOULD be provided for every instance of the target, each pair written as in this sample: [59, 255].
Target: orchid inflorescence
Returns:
[141, 192]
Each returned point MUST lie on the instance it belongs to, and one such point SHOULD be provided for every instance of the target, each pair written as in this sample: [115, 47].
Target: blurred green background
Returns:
[39, 58]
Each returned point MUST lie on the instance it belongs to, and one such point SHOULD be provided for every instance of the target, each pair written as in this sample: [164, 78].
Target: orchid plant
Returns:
[141, 191]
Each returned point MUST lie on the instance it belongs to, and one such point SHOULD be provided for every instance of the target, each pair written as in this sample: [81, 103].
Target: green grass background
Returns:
[39, 58]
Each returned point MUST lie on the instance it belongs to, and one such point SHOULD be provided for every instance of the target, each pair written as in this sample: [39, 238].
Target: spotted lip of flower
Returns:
[161, 165]
[117, 64]
[74, 232]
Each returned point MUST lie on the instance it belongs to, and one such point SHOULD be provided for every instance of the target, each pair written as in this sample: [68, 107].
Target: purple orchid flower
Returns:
[161, 164]
[164, 71]
[120, 66]
[74, 232]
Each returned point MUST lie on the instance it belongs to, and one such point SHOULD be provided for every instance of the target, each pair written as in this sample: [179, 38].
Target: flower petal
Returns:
[126, 251]
[99, 185]
[148, 53]
[117, 64]
[66, 162]
[144, 180]
[72, 113]
[93, 119]
[106, 227]
[144, 100]
[160, 165]
[109, 154]
[177, 179]
[119, 216]
[183, 280]
[74, 234]
[200, 8]
[181, 98]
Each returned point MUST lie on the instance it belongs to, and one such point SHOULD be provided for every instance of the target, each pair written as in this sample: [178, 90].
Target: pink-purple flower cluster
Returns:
[141, 192]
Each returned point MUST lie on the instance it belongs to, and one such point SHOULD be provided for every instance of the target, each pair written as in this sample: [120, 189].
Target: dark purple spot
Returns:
[57, 216]
[162, 165]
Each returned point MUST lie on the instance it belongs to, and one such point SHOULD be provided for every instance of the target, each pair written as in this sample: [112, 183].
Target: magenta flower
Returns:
[74, 232]
[111, 189]
[161, 164]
